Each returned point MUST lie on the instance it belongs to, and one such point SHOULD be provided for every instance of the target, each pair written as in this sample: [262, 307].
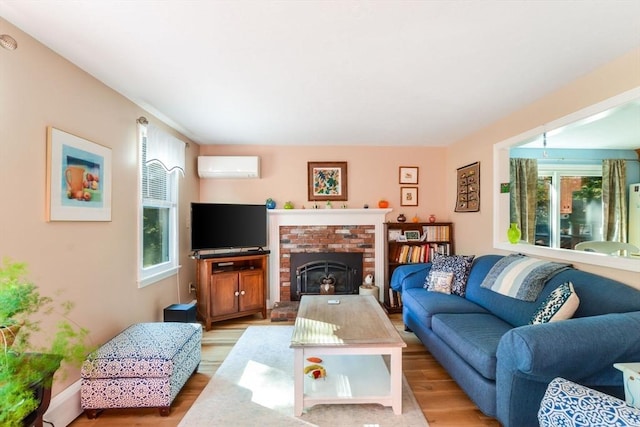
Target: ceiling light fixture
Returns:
[8, 42]
[544, 145]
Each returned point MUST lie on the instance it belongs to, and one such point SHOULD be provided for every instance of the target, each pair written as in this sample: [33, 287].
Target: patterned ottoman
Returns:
[145, 365]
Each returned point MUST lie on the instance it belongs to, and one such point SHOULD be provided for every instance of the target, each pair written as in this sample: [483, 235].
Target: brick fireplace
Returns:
[323, 231]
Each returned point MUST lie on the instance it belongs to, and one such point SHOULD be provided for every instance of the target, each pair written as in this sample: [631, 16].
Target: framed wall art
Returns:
[408, 174]
[394, 234]
[412, 235]
[327, 181]
[408, 196]
[468, 188]
[78, 178]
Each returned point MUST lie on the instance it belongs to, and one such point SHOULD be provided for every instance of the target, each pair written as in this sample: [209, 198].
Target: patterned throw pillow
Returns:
[440, 281]
[459, 265]
[559, 305]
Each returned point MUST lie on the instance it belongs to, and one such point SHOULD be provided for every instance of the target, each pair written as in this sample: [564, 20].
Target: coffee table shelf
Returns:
[350, 378]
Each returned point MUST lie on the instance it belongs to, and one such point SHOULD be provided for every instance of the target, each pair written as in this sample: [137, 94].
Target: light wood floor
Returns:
[442, 401]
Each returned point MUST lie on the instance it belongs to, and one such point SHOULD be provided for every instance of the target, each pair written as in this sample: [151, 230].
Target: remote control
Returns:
[333, 301]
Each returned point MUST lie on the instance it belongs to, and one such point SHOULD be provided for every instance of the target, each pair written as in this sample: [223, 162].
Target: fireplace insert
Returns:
[337, 273]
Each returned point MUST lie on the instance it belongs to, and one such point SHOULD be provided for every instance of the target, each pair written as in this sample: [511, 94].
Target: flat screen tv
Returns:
[228, 226]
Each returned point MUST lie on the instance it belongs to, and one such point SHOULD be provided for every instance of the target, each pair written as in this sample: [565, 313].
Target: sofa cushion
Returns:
[559, 305]
[425, 304]
[511, 310]
[474, 336]
[598, 294]
[459, 265]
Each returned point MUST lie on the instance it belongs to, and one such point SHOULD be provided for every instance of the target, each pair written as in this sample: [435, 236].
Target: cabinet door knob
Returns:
[236, 293]
[241, 292]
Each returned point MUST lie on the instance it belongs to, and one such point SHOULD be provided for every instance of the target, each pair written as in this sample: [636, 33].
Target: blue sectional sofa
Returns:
[504, 364]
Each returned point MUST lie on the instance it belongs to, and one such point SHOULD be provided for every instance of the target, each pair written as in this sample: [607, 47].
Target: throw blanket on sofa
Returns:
[521, 277]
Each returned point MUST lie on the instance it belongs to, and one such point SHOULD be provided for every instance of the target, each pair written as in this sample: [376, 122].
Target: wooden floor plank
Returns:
[442, 401]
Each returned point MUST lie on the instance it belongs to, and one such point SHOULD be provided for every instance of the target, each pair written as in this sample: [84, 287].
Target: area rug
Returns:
[254, 387]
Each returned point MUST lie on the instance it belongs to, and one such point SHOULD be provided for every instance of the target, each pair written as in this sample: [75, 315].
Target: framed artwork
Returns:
[78, 178]
[327, 181]
[412, 235]
[468, 188]
[408, 196]
[408, 174]
[394, 234]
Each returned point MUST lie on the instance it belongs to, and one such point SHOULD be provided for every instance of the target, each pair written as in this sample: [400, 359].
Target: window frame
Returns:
[501, 212]
[157, 272]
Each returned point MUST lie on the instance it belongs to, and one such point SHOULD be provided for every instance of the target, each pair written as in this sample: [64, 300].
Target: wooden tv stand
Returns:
[231, 285]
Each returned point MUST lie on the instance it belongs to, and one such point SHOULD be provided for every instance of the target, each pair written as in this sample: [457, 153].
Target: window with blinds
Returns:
[158, 242]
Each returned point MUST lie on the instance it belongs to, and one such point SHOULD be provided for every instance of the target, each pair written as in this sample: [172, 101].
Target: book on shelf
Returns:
[395, 299]
[413, 254]
[436, 233]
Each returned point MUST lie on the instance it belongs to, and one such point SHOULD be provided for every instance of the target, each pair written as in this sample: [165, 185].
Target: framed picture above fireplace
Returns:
[327, 181]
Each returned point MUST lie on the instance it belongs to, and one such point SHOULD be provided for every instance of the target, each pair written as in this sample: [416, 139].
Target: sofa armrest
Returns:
[409, 276]
[580, 348]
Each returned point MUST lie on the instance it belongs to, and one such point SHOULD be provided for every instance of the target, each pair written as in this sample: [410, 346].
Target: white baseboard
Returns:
[65, 406]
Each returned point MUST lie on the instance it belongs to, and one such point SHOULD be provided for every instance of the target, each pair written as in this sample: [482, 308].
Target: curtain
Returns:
[614, 200]
[165, 149]
[523, 175]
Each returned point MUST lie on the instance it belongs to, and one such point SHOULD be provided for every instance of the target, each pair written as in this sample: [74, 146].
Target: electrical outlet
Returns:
[192, 287]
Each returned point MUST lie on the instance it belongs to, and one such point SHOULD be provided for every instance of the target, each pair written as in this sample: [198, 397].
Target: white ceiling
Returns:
[332, 72]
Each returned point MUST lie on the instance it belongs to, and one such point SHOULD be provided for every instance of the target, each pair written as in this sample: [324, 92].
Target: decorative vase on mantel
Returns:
[513, 233]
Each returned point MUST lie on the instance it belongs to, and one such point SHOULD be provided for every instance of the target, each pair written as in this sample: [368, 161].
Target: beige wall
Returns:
[474, 231]
[93, 263]
[373, 174]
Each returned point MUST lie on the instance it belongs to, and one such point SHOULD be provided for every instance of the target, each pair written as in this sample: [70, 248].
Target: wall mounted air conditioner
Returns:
[229, 166]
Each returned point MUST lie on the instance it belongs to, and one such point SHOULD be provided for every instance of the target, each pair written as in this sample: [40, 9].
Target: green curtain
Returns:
[614, 200]
[523, 176]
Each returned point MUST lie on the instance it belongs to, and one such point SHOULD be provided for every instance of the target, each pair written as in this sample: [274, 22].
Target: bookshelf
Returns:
[432, 238]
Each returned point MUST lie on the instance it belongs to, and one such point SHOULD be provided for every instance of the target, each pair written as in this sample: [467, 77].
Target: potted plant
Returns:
[24, 365]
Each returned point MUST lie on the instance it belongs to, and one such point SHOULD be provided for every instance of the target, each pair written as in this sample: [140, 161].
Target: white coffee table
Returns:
[351, 338]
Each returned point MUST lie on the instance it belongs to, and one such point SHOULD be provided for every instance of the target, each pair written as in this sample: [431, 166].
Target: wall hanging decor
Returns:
[468, 190]
[327, 181]
[408, 174]
[78, 178]
[408, 196]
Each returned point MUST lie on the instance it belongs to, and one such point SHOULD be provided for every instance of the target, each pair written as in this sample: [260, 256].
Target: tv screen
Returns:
[228, 226]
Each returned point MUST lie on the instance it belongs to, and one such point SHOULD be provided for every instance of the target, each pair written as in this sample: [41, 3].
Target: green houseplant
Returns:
[22, 361]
